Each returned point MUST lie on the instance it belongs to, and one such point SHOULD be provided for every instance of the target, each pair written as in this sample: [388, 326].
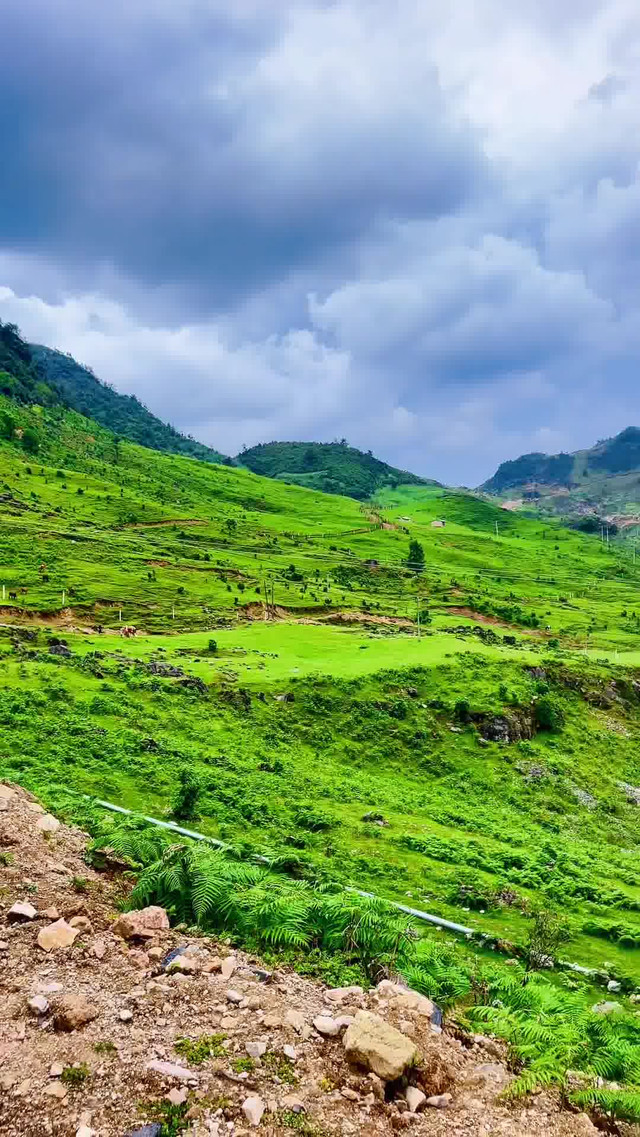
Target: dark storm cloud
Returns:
[154, 142]
[412, 225]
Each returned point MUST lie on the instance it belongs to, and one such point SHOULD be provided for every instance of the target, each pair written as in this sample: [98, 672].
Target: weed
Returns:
[105, 1046]
[197, 1050]
[279, 1066]
[243, 1065]
[75, 1076]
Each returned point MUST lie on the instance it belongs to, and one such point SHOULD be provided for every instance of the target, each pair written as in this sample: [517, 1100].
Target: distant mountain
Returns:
[125, 415]
[603, 480]
[332, 467]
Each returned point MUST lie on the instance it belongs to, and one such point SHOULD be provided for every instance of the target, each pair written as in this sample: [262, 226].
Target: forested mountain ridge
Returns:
[125, 415]
[332, 467]
[603, 480]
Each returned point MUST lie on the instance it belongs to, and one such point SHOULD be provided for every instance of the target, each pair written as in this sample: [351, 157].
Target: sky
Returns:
[412, 224]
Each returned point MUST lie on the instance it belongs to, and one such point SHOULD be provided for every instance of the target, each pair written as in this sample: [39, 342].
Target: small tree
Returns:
[213, 646]
[547, 932]
[30, 440]
[415, 560]
[186, 798]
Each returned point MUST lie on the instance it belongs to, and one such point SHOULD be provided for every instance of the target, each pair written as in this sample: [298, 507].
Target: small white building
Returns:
[438, 524]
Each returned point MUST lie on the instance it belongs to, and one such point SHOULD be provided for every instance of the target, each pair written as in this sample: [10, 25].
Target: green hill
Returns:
[125, 415]
[598, 485]
[465, 736]
[332, 467]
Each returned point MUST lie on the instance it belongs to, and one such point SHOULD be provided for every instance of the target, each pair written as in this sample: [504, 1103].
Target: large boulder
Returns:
[143, 924]
[370, 1041]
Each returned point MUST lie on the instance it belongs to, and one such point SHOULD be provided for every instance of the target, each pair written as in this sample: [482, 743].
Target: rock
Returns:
[613, 985]
[253, 1109]
[51, 914]
[349, 1094]
[125, 1016]
[177, 1097]
[152, 1130]
[155, 954]
[6, 793]
[290, 1052]
[38, 1005]
[185, 964]
[21, 912]
[234, 997]
[584, 1126]
[607, 1008]
[326, 1026]
[82, 923]
[85, 1131]
[255, 1049]
[171, 1070]
[295, 1019]
[48, 823]
[56, 1069]
[56, 1090]
[57, 935]
[35, 807]
[404, 999]
[228, 966]
[373, 1043]
[293, 1103]
[340, 994]
[343, 1021]
[4, 945]
[414, 1098]
[4, 804]
[99, 949]
[440, 1101]
[141, 924]
[73, 1011]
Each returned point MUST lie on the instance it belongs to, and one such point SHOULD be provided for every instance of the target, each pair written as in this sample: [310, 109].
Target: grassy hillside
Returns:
[601, 484]
[332, 467]
[125, 415]
[462, 739]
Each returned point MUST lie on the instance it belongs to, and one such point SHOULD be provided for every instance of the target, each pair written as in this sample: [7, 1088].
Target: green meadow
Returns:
[287, 656]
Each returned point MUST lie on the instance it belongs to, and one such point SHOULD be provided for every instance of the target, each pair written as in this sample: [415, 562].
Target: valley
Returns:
[272, 666]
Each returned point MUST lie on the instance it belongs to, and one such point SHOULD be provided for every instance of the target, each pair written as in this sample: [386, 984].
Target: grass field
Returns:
[245, 590]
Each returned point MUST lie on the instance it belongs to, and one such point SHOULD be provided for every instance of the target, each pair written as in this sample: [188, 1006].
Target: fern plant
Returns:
[202, 886]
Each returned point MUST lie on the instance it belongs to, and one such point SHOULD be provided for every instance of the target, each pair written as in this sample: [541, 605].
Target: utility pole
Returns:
[120, 614]
[497, 534]
[173, 611]
[63, 596]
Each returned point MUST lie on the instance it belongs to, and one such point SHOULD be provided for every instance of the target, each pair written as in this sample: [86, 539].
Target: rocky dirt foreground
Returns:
[119, 1025]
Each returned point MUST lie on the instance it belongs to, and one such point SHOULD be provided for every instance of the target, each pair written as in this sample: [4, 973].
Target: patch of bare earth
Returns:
[88, 1030]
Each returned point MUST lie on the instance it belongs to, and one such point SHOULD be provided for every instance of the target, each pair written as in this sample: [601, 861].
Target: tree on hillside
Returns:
[30, 440]
[415, 560]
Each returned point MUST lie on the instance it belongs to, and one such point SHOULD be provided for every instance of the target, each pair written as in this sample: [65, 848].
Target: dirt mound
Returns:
[93, 1013]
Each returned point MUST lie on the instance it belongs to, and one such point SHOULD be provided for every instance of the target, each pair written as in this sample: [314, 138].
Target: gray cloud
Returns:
[414, 227]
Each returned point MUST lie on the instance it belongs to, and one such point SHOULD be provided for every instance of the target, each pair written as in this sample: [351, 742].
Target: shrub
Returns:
[548, 714]
[186, 797]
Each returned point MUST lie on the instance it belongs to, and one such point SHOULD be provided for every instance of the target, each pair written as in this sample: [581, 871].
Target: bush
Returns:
[548, 714]
[462, 711]
[186, 797]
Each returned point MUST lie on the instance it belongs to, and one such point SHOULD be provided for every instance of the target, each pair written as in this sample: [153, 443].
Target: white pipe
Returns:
[428, 917]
